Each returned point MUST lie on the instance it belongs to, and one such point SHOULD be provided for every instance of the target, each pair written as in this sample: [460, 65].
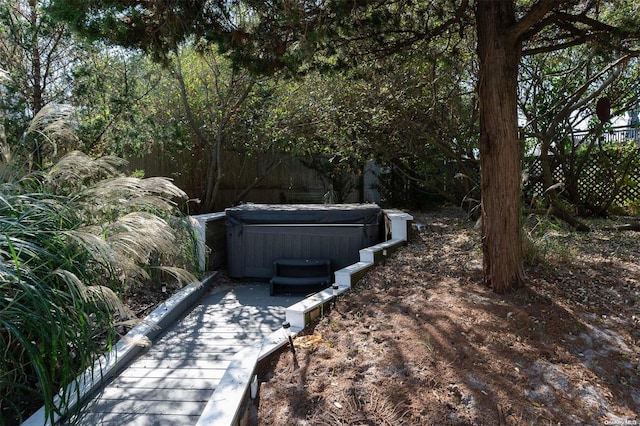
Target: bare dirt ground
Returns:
[421, 341]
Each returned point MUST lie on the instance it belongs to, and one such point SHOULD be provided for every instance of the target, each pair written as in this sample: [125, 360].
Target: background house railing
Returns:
[619, 134]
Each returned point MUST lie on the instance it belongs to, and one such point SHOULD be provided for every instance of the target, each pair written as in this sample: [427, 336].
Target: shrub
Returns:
[72, 238]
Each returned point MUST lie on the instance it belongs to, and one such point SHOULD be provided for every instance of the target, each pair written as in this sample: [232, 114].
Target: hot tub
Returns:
[258, 234]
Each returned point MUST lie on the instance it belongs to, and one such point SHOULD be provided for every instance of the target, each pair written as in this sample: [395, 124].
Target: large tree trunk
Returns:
[500, 152]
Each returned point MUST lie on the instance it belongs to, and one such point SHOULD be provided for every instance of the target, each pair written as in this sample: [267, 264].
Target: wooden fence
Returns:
[293, 182]
[290, 182]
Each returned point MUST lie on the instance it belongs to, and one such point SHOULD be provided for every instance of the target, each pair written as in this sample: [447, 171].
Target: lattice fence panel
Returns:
[598, 180]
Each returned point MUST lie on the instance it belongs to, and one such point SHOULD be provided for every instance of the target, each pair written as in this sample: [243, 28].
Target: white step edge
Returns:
[296, 313]
[369, 254]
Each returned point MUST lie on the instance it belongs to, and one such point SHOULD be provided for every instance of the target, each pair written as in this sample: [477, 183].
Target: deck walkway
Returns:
[171, 382]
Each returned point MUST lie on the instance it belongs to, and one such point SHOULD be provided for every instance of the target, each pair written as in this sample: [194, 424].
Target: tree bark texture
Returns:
[500, 152]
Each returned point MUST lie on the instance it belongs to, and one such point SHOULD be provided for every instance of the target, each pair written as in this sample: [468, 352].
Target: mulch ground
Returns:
[421, 341]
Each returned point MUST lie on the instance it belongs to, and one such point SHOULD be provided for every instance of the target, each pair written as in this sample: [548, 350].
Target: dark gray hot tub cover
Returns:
[367, 214]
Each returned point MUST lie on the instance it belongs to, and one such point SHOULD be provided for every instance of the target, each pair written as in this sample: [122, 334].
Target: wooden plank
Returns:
[204, 324]
[211, 355]
[179, 363]
[214, 339]
[183, 408]
[164, 383]
[247, 322]
[214, 334]
[176, 373]
[200, 343]
[154, 394]
[216, 319]
[205, 328]
[136, 419]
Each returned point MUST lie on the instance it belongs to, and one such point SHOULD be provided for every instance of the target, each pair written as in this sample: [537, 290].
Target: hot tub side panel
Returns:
[253, 248]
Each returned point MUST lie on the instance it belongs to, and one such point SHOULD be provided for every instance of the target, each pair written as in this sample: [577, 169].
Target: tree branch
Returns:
[194, 123]
[555, 47]
[635, 226]
[588, 29]
[575, 101]
[535, 15]
[593, 24]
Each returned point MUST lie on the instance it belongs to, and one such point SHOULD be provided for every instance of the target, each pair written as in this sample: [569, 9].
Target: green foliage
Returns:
[130, 25]
[47, 66]
[218, 108]
[51, 323]
[414, 114]
[543, 242]
[72, 239]
[265, 37]
[36, 54]
[117, 94]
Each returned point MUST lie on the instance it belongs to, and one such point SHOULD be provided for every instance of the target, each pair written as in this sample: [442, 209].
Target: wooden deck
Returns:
[171, 382]
[200, 365]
